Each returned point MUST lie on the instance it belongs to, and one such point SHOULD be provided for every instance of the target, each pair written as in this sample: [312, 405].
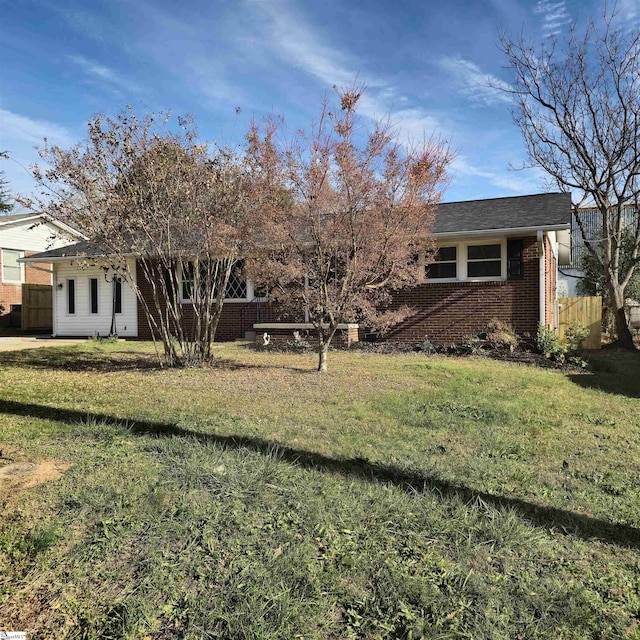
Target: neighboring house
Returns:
[497, 259]
[573, 248]
[22, 235]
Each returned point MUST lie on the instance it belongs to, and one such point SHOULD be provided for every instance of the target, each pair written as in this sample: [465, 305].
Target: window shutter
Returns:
[515, 260]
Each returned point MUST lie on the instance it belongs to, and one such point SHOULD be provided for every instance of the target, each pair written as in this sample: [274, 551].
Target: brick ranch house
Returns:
[22, 235]
[496, 258]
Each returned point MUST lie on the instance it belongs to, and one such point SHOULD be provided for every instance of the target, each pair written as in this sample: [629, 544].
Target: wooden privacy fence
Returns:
[37, 307]
[586, 312]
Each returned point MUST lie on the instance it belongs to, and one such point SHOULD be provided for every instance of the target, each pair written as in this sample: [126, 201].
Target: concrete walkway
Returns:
[14, 343]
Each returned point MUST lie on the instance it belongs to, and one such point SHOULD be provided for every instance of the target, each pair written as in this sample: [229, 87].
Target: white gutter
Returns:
[509, 230]
[74, 258]
[543, 282]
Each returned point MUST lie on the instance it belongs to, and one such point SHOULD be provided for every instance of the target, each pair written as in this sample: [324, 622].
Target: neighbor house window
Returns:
[444, 264]
[236, 288]
[484, 260]
[11, 269]
[117, 295]
[71, 297]
[93, 294]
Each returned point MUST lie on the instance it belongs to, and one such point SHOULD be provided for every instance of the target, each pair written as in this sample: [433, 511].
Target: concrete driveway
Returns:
[14, 343]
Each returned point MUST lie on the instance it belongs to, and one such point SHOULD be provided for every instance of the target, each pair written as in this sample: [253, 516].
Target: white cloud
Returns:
[17, 128]
[507, 180]
[19, 136]
[107, 78]
[94, 69]
[287, 36]
[555, 16]
[473, 83]
[628, 14]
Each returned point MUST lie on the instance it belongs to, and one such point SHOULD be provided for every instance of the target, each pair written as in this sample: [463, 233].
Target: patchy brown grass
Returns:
[398, 496]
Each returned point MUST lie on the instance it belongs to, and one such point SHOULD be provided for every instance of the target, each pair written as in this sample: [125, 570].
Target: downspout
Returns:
[32, 266]
[542, 286]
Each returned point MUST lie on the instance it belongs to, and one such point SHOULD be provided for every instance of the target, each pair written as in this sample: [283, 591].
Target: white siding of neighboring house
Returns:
[33, 236]
[83, 322]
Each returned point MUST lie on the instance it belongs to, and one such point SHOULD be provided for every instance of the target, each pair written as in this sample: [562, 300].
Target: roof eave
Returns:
[505, 231]
[50, 259]
[48, 218]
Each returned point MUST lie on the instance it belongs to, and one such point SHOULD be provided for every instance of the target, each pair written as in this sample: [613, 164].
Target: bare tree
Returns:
[577, 103]
[6, 206]
[184, 209]
[354, 210]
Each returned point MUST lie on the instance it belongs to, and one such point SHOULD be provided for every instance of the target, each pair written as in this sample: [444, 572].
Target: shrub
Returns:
[472, 345]
[426, 346]
[549, 345]
[575, 335]
[501, 336]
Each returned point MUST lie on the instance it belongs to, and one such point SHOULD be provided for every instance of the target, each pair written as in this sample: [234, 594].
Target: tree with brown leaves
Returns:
[357, 210]
[577, 104]
[184, 209]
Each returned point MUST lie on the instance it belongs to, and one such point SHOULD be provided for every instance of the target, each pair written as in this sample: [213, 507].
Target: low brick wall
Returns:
[285, 333]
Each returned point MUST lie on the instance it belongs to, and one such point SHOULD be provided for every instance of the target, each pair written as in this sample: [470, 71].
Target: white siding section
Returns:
[83, 322]
[27, 237]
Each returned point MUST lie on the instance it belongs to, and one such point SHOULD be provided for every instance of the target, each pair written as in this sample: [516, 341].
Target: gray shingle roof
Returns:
[79, 249]
[537, 211]
[520, 212]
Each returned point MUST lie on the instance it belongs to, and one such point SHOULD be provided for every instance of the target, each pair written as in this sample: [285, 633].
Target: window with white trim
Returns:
[444, 265]
[12, 270]
[236, 287]
[484, 260]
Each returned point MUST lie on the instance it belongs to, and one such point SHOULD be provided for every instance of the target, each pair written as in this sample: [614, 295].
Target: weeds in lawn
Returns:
[418, 498]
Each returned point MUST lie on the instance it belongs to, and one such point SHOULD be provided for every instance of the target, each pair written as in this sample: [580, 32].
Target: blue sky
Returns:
[427, 63]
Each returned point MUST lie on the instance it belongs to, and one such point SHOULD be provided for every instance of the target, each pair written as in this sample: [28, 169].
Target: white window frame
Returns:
[445, 246]
[461, 260]
[249, 297]
[20, 264]
[503, 259]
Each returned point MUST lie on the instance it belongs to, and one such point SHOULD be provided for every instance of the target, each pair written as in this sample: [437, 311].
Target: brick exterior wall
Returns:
[12, 293]
[445, 312]
[236, 317]
[551, 275]
[449, 312]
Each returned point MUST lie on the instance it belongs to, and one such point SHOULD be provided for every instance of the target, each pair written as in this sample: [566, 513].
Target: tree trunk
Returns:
[324, 341]
[624, 337]
[323, 349]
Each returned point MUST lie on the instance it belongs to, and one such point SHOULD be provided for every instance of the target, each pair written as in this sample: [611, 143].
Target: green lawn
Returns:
[400, 496]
